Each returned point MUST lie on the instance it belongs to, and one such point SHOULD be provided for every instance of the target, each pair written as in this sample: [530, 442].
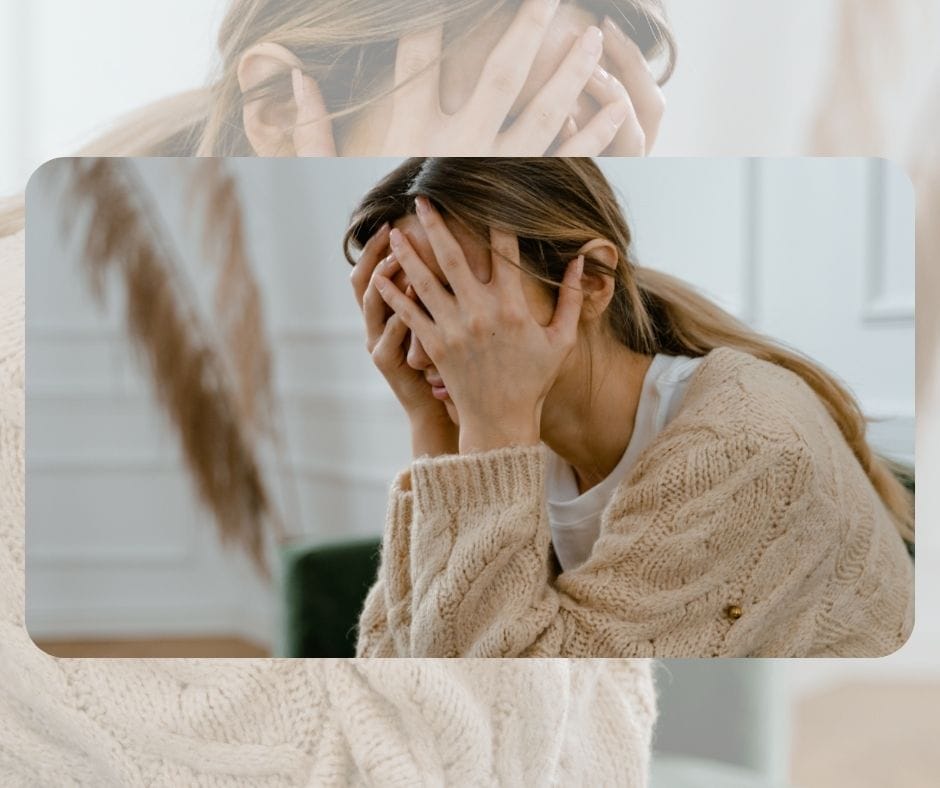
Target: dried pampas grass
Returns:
[124, 238]
[213, 197]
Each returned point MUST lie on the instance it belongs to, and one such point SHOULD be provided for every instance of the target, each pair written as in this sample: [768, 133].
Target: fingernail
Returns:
[394, 238]
[618, 113]
[601, 74]
[592, 40]
[421, 205]
[571, 128]
[380, 282]
[579, 266]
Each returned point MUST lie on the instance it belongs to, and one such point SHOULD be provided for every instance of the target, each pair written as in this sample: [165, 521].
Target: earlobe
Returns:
[295, 126]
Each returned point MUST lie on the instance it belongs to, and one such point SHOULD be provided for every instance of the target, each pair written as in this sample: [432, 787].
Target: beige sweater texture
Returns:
[187, 722]
[750, 499]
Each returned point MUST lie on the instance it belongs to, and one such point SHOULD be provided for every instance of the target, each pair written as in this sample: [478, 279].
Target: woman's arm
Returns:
[702, 527]
[385, 622]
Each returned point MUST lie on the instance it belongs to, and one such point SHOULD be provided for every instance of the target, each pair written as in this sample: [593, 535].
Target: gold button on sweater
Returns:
[747, 528]
[285, 722]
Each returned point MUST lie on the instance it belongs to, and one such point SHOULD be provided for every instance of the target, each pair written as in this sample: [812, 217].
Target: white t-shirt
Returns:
[575, 518]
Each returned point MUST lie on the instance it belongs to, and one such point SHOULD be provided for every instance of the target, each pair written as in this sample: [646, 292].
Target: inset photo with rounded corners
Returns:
[470, 407]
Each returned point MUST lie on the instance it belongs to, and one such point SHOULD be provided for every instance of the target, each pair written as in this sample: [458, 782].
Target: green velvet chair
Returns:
[324, 588]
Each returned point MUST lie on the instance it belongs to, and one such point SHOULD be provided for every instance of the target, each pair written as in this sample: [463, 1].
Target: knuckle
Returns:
[424, 284]
[501, 80]
[546, 118]
[477, 325]
[449, 261]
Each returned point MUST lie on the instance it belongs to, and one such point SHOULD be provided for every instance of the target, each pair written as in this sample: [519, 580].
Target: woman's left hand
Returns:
[497, 361]
[631, 87]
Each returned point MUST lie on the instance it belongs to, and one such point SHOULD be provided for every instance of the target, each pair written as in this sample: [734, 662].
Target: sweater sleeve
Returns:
[693, 537]
[384, 624]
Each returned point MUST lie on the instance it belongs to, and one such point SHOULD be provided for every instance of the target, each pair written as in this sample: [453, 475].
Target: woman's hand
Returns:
[497, 361]
[631, 89]
[433, 432]
[418, 125]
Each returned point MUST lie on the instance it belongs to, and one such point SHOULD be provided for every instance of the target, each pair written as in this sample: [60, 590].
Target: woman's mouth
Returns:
[438, 390]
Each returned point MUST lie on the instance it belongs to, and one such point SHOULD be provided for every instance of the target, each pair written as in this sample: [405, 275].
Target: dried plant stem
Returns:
[124, 237]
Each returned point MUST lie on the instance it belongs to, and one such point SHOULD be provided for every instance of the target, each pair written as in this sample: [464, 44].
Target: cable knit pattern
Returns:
[747, 528]
[291, 722]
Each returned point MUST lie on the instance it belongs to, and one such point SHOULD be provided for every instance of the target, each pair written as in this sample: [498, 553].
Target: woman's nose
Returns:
[417, 358]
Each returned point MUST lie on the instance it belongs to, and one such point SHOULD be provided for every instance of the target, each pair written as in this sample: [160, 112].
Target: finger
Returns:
[313, 130]
[427, 286]
[570, 299]
[391, 341]
[538, 124]
[410, 313]
[607, 90]
[418, 73]
[600, 131]
[368, 260]
[447, 252]
[507, 270]
[633, 70]
[375, 312]
[568, 130]
[507, 67]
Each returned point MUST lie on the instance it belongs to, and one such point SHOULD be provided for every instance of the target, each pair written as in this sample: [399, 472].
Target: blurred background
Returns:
[122, 560]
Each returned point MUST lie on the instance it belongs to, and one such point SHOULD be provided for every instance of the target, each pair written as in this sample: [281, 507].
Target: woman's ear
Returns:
[298, 126]
[598, 288]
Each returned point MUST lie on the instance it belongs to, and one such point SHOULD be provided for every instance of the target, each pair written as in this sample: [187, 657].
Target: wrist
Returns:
[433, 436]
[485, 437]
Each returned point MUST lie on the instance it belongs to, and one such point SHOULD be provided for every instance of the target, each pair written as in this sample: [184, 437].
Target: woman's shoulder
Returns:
[738, 392]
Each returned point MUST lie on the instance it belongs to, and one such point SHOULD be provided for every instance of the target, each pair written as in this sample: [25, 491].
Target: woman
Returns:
[709, 494]
[394, 78]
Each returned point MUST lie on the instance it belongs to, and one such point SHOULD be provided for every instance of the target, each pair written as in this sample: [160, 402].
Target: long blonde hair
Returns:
[555, 206]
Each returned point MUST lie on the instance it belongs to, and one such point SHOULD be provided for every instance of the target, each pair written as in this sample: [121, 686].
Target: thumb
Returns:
[313, 131]
[570, 298]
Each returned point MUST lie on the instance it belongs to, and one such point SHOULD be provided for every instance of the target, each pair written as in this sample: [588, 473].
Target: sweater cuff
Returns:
[467, 482]
[396, 541]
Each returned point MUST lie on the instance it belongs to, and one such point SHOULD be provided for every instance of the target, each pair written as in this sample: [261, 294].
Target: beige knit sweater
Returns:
[289, 722]
[747, 528]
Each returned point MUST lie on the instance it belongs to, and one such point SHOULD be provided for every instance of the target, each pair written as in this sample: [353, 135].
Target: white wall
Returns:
[115, 543]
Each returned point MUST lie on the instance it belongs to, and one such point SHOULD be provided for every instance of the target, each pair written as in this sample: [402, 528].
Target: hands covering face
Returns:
[497, 360]
[626, 123]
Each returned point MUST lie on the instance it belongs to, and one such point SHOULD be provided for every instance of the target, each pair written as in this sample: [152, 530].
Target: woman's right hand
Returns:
[433, 432]
[419, 126]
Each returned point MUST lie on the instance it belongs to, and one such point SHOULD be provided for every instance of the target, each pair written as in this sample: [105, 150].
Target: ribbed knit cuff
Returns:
[396, 543]
[467, 482]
